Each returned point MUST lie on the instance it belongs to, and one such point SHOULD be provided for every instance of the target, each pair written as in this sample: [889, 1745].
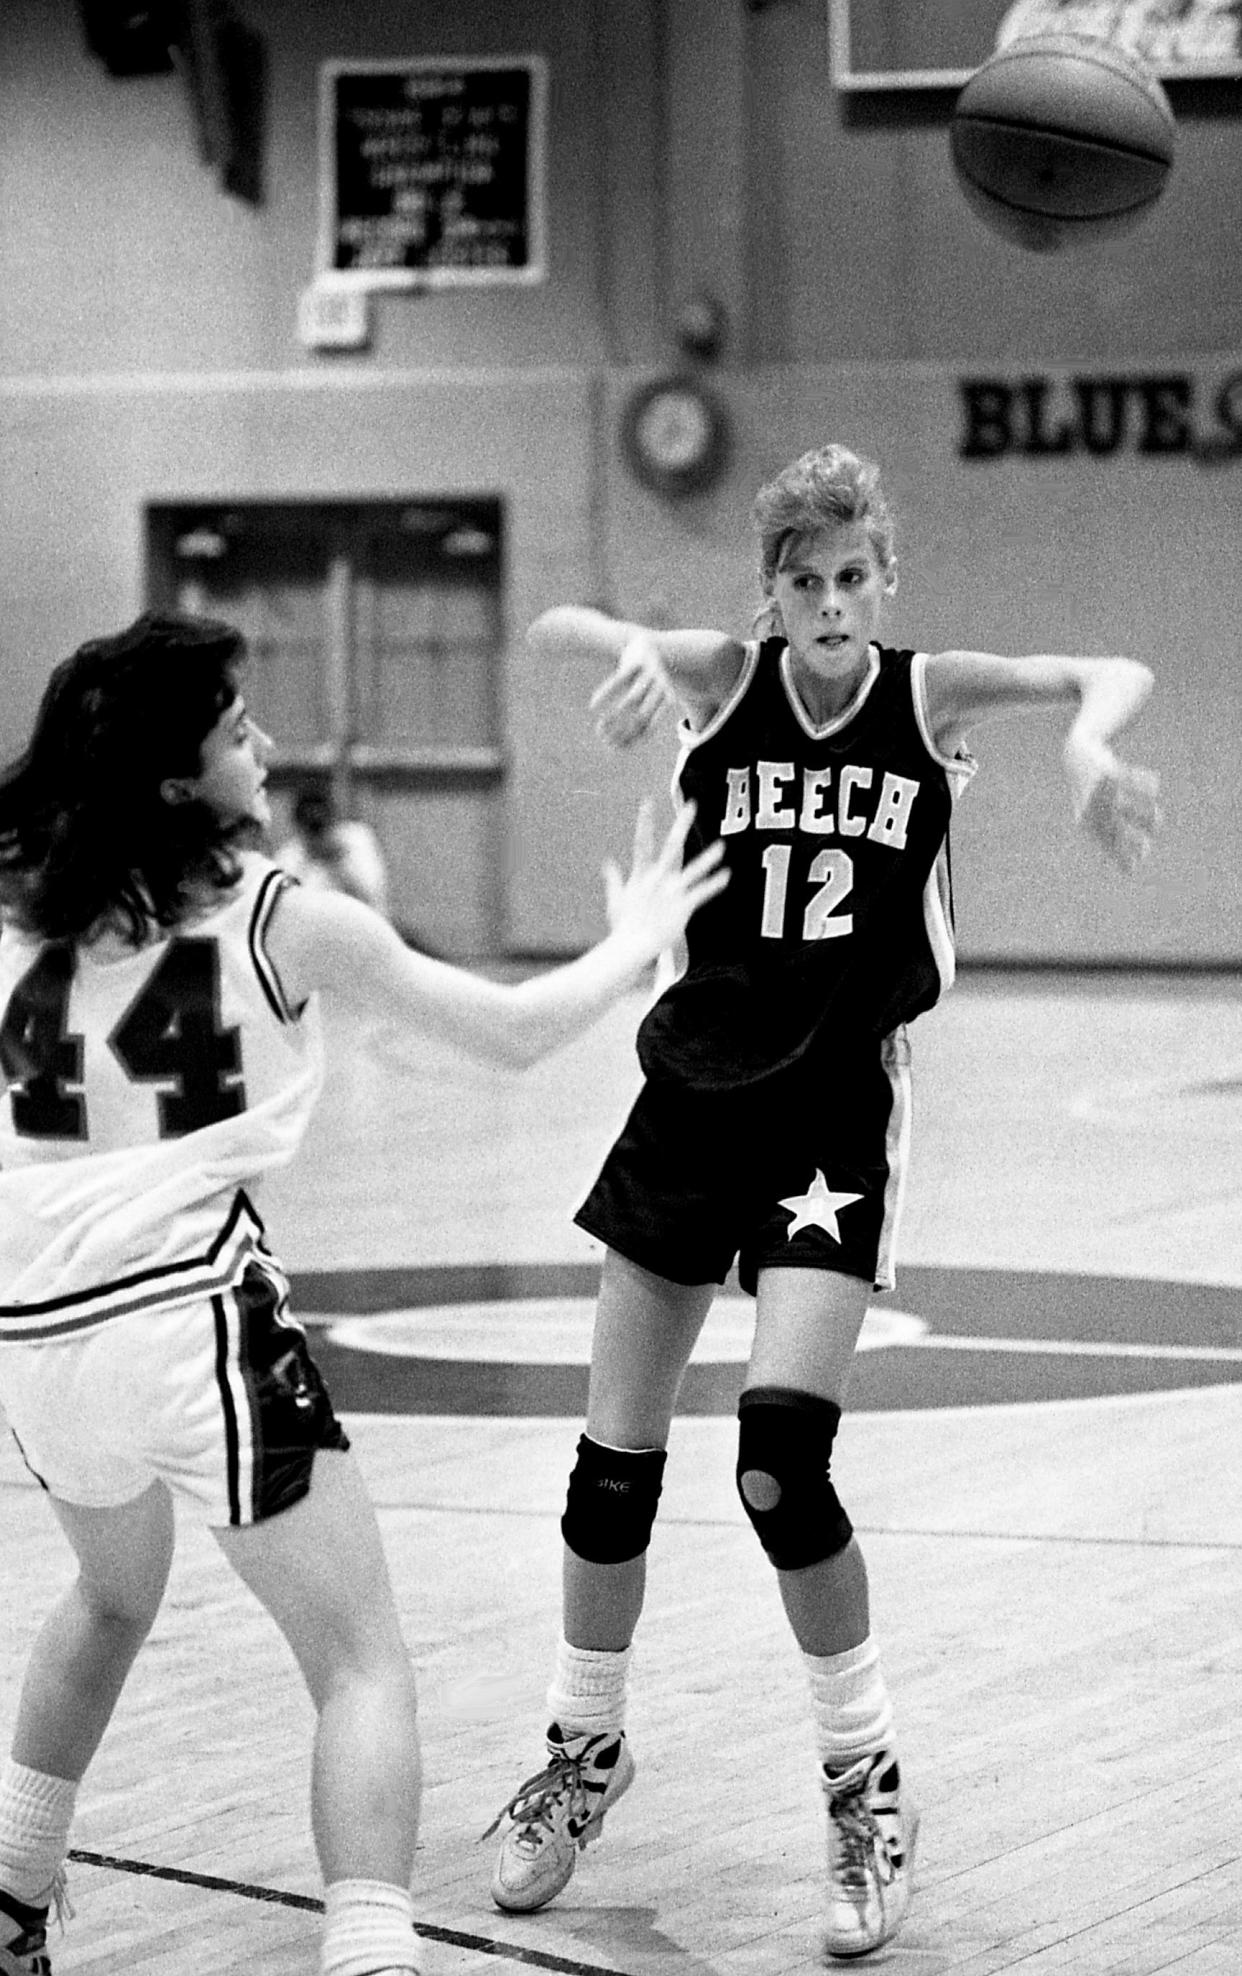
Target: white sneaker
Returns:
[555, 1813]
[871, 1840]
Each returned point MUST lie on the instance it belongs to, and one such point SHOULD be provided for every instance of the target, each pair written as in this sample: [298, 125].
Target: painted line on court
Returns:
[276, 1896]
[1075, 1348]
[515, 1339]
[185, 1878]
[1050, 1539]
[671, 1519]
[409, 1335]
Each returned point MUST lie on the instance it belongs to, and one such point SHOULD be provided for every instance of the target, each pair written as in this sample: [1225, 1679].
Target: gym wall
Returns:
[149, 351]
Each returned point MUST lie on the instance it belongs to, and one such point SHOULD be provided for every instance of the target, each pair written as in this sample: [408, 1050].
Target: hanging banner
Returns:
[938, 44]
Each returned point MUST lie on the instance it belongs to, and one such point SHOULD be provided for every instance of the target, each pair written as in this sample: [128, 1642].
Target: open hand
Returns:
[661, 892]
[630, 699]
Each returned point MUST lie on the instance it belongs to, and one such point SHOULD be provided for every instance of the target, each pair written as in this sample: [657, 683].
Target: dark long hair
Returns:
[85, 834]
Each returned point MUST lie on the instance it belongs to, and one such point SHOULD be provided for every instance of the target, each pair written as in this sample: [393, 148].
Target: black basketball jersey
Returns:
[837, 919]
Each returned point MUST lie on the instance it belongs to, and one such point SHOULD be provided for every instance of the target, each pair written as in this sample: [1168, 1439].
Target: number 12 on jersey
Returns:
[832, 871]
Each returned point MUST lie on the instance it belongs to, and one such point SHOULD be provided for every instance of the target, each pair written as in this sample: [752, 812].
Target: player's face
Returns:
[233, 767]
[831, 588]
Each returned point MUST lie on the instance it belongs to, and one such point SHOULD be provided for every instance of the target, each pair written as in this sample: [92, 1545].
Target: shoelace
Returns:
[59, 1900]
[862, 1842]
[532, 1803]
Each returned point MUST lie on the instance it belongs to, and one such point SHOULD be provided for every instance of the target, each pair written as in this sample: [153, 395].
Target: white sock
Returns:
[368, 1929]
[588, 1690]
[850, 1705]
[36, 1812]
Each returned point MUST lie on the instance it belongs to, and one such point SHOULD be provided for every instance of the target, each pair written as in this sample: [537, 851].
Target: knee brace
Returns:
[612, 1499]
[783, 1454]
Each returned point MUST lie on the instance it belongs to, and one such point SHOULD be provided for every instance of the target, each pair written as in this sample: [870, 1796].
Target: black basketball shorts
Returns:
[803, 1171]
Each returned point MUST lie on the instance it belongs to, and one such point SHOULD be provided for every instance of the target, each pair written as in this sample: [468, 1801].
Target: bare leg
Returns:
[645, 1330]
[319, 1568]
[805, 1336]
[88, 1642]
[806, 1328]
[828, 1604]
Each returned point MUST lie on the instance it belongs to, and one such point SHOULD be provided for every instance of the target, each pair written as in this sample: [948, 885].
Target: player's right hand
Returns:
[631, 698]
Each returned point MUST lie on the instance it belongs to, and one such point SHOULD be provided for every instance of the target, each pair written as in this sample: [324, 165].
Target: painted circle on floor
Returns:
[515, 1339]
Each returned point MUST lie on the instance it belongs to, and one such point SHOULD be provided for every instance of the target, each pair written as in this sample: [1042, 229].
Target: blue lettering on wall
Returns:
[1154, 416]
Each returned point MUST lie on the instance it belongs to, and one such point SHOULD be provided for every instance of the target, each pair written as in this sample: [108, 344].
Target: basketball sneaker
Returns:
[871, 1839]
[24, 1953]
[555, 1814]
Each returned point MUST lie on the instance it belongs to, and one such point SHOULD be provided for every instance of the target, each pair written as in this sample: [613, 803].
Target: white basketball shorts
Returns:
[219, 1399]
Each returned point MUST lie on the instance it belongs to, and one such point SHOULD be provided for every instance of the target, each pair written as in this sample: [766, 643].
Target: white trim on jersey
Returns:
[897, 1148]
[270, 891]
[689, 736]
[672, 962]
[937, 893]
[959, 768]
[852, 706]
[223, 1263]
[937, 921]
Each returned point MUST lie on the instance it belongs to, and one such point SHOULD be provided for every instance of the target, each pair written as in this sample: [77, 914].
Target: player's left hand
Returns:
[1117, 802]
[642, 856]
[662, 890]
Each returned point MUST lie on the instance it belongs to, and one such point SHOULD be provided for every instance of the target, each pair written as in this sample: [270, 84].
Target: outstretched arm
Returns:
[691, 671]
[323, 940]
[1114, 800]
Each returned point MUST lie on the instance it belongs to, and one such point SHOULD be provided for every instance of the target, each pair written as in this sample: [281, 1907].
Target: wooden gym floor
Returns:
[1042, 1460]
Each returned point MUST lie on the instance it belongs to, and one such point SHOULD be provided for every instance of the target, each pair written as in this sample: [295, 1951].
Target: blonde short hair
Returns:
[825, 488]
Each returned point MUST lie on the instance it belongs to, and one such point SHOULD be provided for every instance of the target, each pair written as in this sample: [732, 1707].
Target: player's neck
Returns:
[825, 697]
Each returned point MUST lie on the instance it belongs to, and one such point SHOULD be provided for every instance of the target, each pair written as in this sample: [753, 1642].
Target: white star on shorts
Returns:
[817, 1208]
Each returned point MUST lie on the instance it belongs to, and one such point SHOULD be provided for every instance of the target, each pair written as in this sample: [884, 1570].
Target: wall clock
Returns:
[675, 436]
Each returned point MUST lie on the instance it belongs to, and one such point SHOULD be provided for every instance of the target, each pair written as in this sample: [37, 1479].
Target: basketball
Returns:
[1060, 139]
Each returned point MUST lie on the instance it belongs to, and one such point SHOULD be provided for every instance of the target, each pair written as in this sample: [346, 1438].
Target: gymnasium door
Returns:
[376, 636]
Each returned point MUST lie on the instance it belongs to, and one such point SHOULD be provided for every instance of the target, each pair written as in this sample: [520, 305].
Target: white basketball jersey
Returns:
[148, 1089]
